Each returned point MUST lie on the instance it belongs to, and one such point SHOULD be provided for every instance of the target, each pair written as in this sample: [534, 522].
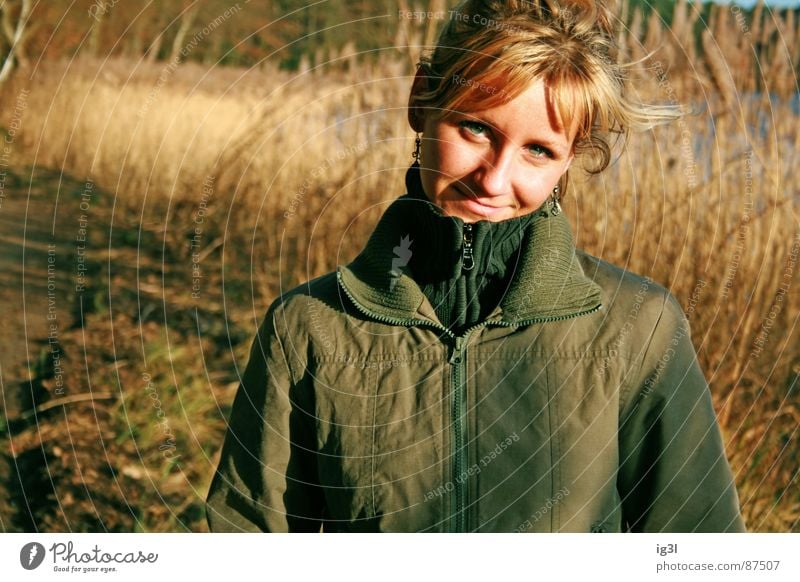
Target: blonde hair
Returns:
[507, 44]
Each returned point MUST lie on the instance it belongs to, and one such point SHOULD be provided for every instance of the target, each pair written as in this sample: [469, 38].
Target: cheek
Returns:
[446, 153]
[455, 159]
[533, 198]
[538, 187]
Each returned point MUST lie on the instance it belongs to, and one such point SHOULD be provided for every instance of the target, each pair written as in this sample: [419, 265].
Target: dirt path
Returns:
[37, 246]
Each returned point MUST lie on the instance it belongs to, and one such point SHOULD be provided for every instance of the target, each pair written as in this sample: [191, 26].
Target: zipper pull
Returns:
[468, 261]
[455, 354]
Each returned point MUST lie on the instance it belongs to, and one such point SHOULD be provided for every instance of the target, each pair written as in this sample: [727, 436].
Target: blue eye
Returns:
[473, 127]
[540, 151]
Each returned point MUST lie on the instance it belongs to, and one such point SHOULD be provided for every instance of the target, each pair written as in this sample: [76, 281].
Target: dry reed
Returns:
[300, 167]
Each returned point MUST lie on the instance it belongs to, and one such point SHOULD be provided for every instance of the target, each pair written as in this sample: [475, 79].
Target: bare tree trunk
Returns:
[14, 33]
[99, 17]
[405, 27]
[160, 26]
[154, 48]
[187, 19]
[133, 42]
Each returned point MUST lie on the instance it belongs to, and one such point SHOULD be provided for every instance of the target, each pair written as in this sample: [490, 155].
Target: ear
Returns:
[569, 162]
[416, 116]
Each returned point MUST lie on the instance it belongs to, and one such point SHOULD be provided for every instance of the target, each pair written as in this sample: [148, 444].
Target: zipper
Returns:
[459, 423]
[501, 323]
[386, 318]
[433, 324]
[467, 258]
[457, 500]
[457, 360]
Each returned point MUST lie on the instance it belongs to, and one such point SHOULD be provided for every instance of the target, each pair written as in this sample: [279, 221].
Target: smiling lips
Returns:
[474, 204]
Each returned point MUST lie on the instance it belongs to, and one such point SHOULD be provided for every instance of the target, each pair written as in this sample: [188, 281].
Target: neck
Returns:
[464, 269]
[546, 283]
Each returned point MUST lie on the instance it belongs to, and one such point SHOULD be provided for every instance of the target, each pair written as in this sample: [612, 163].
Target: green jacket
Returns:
[576, 406]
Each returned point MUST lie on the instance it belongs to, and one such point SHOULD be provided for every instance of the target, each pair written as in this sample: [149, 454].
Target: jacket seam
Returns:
[306, 417]
[326, 359]
[549, 355]
[374, 424]
[444, 453]
[294, 376]
[555, 466]
[633, 380]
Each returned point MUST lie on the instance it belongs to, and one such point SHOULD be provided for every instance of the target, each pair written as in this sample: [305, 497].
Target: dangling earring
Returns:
[556, 207]
[417, 146]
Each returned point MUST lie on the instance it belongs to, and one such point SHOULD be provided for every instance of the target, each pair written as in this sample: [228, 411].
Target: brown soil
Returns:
[39, 223]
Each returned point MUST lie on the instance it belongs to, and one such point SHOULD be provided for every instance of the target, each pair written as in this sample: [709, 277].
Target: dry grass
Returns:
[708, 207]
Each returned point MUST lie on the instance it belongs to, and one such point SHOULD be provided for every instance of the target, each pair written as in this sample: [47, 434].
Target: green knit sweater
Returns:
[461, 296]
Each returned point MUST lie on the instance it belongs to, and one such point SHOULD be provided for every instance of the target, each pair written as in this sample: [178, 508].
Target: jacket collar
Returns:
[549, 282]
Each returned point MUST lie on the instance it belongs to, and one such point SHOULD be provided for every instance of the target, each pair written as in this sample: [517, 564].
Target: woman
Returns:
[471, 370]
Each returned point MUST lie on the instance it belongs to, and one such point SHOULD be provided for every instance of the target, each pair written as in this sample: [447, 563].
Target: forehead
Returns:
[563, 102]
[533, 113]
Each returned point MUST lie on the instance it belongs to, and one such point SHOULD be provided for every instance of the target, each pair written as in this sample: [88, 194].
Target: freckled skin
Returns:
[494, 164]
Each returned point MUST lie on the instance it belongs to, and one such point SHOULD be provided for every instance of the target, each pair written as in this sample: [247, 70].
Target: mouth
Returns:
[476, 206]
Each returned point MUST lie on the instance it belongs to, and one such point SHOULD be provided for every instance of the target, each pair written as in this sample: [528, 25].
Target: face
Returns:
[498, 163]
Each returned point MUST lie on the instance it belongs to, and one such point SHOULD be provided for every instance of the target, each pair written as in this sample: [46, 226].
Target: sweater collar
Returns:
[440, 238]
[548, 283]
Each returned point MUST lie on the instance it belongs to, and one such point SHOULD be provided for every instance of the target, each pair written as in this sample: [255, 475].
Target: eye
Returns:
[539, 151]
[473, 127]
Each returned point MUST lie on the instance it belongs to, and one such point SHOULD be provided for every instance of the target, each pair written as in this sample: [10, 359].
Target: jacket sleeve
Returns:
[267, 477]
[674, 476]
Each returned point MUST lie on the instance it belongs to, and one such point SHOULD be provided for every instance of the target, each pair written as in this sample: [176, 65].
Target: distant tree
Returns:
[187, 19]
[14, 16]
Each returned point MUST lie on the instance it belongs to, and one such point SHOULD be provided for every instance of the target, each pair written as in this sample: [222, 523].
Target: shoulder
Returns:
[301, 302]
[649, 328]
[629, 294]
[641, 318]
[306, 315]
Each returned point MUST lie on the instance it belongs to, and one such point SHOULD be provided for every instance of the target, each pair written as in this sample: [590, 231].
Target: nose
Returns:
[493, 176]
